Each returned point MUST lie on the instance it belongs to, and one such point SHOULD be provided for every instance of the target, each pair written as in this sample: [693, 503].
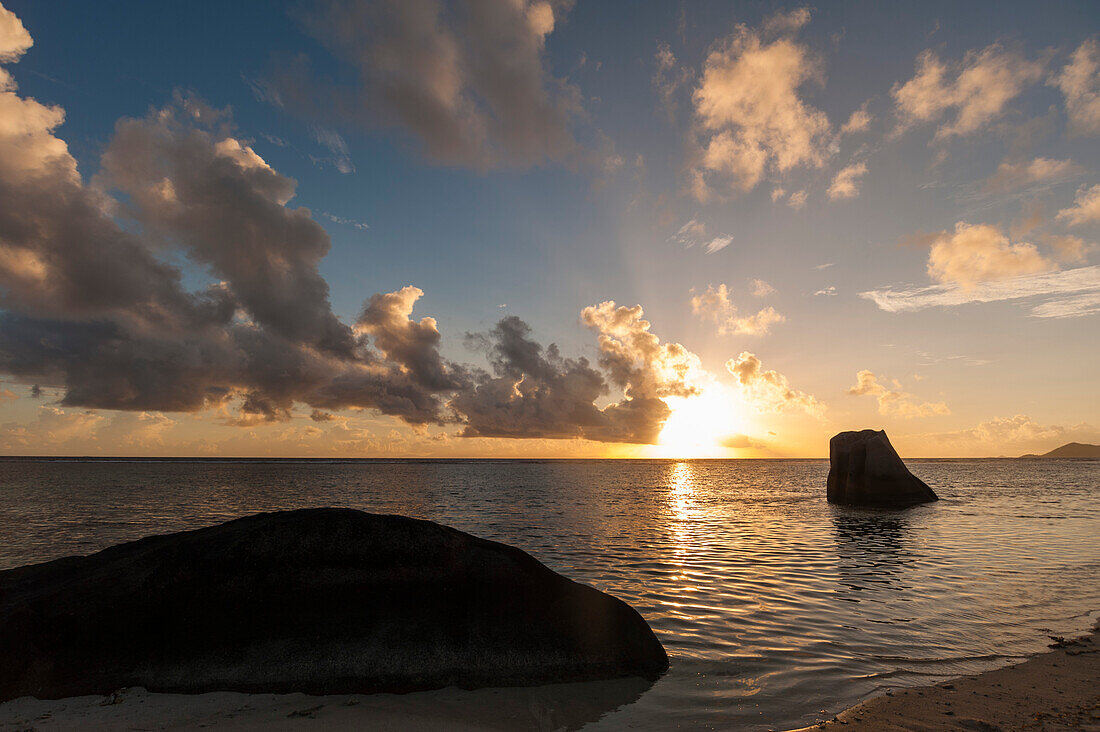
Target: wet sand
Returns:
[542, 708]
[1057, 690]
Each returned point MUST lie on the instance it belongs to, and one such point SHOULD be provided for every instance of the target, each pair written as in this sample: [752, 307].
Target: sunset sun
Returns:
[701, 425]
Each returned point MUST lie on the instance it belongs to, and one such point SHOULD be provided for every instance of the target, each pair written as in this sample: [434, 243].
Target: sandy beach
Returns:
[1057, 690]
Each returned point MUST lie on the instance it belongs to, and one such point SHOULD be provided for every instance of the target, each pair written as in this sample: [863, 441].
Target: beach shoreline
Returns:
[1055, 690]
[1052, 690]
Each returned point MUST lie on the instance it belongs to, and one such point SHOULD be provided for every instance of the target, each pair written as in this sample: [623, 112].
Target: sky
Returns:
[514, 228]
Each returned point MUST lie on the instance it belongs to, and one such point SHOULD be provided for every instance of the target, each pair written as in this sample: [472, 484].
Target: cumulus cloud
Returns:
[751, 118]
[1085, 208]
[846, 182]
[859, 121]
[715, 305]
[970, 94]
[1039, 171]
[535, 392]
[14, 38]
[760, 288]
[797, 200]
[1061, 289]
[636, 359]
[980, 253]
[1079, 81]
[770, 390]
[893, 401]
[469, 79]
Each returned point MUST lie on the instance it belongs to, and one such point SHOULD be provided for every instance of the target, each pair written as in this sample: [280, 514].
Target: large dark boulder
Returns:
[319, 601]
[865, 470]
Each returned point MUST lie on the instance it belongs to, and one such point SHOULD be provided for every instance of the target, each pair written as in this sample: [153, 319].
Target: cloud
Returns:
[695, 232]
[470, 79]
[217, 199]
[846, 182]
[770, 390]
[978, 253]
[859, 121]
[264, 91]
[1079, 81]
[14, 39]
[362, 226]
[1071, 283]
[636, 359]
[536, 393]
[750, 116]
[690, 233]
[669, 77]
[412, 345]
[971, 93]
[1077, 306]
[1085, 208]
[1068, 248]
[1013, 176]
[1017, 433]
[797, 200]
[718, 243]
[736, 442]
[533, 392]
[894, 402]
[331, 139]
[760, 288]
[829, 291]
[715, 305]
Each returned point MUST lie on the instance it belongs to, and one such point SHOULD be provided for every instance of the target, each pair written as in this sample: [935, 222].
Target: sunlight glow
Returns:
[703, 425]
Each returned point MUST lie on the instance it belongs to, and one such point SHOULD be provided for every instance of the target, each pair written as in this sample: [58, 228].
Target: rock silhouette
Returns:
[319, 601]
[865, 470]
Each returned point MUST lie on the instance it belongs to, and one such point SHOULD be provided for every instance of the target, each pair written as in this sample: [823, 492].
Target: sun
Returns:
[699, 424]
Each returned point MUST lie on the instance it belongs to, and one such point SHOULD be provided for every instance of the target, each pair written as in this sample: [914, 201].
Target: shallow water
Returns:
[772, 604]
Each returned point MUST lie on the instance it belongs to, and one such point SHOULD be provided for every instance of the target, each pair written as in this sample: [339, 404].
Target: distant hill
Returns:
[1070, 450]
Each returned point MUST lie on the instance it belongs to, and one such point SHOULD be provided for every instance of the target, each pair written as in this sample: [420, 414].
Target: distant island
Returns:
[1070, 450]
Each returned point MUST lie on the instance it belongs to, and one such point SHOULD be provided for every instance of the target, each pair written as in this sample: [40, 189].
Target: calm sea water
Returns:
[772, 604]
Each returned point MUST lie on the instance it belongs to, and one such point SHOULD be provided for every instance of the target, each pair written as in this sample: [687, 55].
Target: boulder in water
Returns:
[319, 601]
[865, 470]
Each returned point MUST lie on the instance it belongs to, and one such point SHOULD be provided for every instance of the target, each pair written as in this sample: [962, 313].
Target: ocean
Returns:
[776, 608]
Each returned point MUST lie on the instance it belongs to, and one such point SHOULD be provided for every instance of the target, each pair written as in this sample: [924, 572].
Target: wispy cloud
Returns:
[345, 221]
[694, 232]
[1055, 286]
[331, 139]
